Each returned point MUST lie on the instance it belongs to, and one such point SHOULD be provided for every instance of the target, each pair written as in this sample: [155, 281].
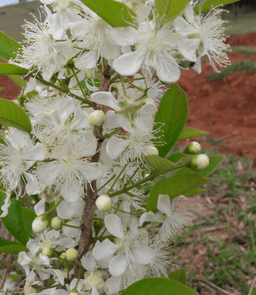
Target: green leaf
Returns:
[14, 221]
[173, 186]
[176, 157]
[13, 115]
[18, 80]
[195, 191]
[189, 132]
[179, 275]
[29, 216]
[114, 13]
[169, 9]
[1, 89]
[173, 112]
[159, 164]
[158, 286]
[208, 4]
[215, 161]
[9, 47]
[7, 246]
[9, 69]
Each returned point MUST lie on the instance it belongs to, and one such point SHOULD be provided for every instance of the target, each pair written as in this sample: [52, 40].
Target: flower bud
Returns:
[151, 150]
[63, 256]
[40, 223]
[193, 148]
[71, 254]
[47, 251]
[56, 223]
[104, 203]
[97, 118]
[74, 292]
[199, 162]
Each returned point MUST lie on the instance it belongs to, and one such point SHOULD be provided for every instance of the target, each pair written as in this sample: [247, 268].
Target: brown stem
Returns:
[92, 193]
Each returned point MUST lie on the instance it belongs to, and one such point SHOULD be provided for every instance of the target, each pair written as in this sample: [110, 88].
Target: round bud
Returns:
[47, 251]
[71, 254]
[104, 203]
[97, 118]
[151, 150]
[193, 148]
[56, 223]
[74, 292]
[199, 162]
[63, 256]
[40, 223]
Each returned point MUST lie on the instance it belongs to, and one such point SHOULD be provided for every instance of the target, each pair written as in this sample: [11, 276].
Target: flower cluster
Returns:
[92, 131]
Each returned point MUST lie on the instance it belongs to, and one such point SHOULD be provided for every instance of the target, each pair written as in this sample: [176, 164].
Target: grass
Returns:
[244, 66]
[223, 237]
[244, 49]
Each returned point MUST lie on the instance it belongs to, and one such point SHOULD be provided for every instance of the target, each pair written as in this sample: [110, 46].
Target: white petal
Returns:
[46, 119]
[164, 204]
[148, 109]
[80, 120]
[30, 86]
[66, 108]
[105, 98]
[40, 207]
[118, 265]
[94, 171]
[148, 216]
[167, 68]
[113, 120]
[188, 48]
[71, 232]
[115, 146]
[113, 285]
[103, 250]
[57, 273]
[88, 60]
[129, 64]
[32, 186]
[189, 13]
[114, 225]
[143, 255]
[123, 36]
[94, 291]
[88, 262]
[36, 153]
[72, 193]
[19, 139]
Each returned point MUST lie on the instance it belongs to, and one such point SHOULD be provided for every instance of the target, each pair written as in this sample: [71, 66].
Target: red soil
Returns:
[225, 110]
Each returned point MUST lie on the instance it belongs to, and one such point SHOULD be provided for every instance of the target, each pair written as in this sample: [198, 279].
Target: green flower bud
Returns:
[47, 251]
[192, 148]
[40, 223]
[71, 254]
[74, 292]
[97, 118]
[56, 223]
[199, 162]
[151, 150]
[104, 203]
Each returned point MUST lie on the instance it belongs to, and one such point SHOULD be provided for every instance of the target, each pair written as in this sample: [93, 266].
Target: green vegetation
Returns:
[244, 66]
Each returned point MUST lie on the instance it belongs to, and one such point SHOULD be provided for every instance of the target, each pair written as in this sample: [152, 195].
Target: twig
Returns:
[252, 286]
[6, 269]
[217, 288]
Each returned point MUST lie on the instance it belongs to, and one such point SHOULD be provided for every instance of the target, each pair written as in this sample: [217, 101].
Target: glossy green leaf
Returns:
[173, 186]
[195, 191]
[189, 132]
[158, 286]
[173, 112]
[114, 13]
[18, 80]
[8, 47]
[14, 221]
[169, 9]
[179, 275]
[29, 216]
[159, 164]
[215, 161]
[7, 246]
[13, 115]
[176, 157]
[208, 4]
[9, 69]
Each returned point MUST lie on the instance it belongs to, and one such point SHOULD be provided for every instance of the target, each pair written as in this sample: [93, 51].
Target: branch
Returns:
[92, 193]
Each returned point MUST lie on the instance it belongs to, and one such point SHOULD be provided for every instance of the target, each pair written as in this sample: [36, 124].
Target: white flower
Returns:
[17, 157]
[132, 248]
[171, 221]
[154, 48]
[69, 171]
[202, 35]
